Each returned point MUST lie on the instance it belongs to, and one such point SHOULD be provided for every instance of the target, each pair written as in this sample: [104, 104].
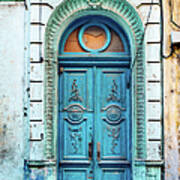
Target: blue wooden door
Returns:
[94, 123]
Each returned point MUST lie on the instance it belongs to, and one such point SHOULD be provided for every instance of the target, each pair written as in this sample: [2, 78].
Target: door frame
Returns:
[126, 16]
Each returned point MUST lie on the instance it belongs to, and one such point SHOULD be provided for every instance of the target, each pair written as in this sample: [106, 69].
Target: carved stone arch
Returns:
[126, 16]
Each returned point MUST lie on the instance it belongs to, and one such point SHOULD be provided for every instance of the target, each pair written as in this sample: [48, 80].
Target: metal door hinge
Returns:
[61, 69]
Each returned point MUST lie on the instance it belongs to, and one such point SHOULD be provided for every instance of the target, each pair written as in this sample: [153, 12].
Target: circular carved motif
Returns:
[113, 113]
[100, 33]
[94, 37]
[75, 113]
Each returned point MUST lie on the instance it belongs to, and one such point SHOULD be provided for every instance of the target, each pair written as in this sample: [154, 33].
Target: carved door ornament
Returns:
[113, 132]
[75, 111]
[75, 92]
[76, 138]
[113, 114]
[113, 96]
[75, 114]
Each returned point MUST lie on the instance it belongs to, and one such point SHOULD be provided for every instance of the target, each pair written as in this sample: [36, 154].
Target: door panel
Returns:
[113, 120]
[113, 86]
[113, 115]
[74, 174]
[94, 123]
[76, 87]
[113, 140]
[75, 141]
[75, 123]
[76, 119]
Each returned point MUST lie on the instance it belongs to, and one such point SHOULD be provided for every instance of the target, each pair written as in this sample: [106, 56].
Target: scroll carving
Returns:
[114, 132]
[76, 139]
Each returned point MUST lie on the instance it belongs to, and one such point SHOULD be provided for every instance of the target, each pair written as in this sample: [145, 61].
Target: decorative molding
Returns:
[94, 3]
[76, 138]
[75, 92]
[113, 95]
[64, 14]
[113, 122]
[113, 115]
[102, 27]
[114, 132]
[40, 163]
[75, 114]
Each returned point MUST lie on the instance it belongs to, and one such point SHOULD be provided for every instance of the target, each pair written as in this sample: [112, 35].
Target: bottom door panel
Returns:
[74, 174]
[114, 174]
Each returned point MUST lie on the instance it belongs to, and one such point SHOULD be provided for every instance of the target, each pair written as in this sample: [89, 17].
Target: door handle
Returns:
[98, 151]
[90, 150]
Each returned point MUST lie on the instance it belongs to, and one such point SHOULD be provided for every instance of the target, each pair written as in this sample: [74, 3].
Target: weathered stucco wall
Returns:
[11, 90]
[171, 92]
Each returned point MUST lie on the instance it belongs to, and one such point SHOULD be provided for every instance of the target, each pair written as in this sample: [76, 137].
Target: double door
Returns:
[94, 126]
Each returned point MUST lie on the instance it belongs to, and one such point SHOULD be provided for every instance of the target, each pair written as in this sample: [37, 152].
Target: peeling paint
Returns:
[172, 94]
[172, 118]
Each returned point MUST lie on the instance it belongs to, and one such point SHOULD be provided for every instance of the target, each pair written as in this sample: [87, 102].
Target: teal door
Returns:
[94, 123]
